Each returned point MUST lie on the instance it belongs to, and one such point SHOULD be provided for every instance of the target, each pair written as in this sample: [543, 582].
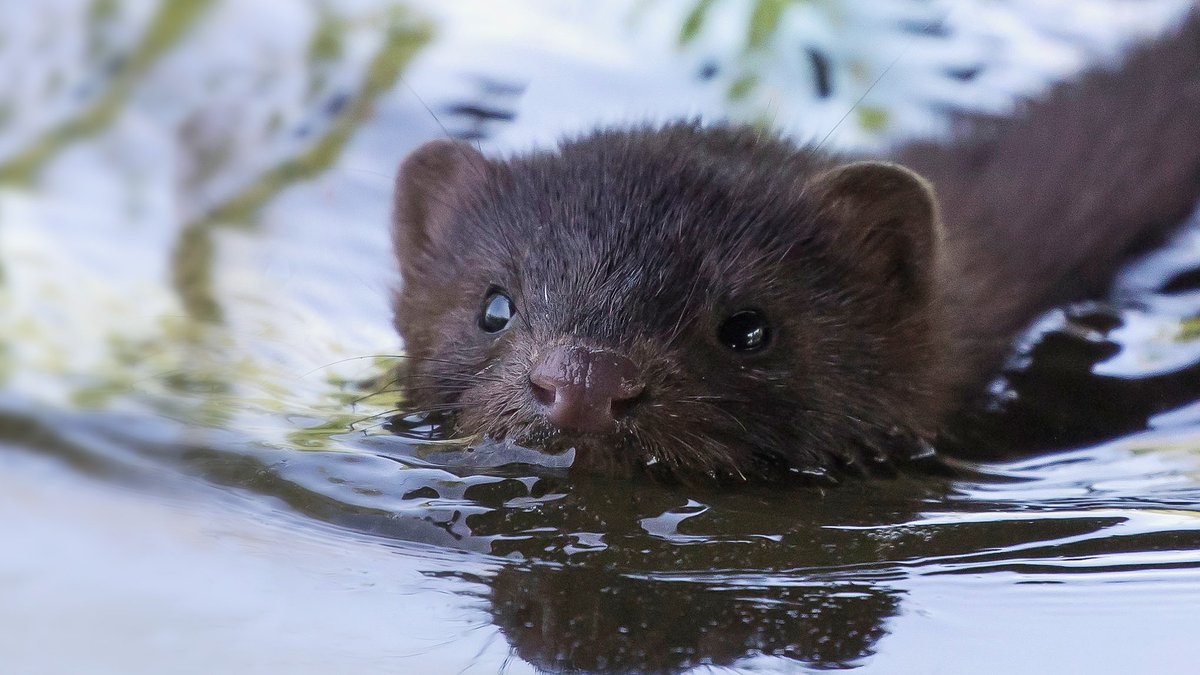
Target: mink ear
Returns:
[886, 223]
[432, 183]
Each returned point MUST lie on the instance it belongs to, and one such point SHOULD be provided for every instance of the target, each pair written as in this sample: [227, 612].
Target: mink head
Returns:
[700, 302]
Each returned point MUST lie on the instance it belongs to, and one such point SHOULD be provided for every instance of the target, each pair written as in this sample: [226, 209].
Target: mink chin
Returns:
[715, 301]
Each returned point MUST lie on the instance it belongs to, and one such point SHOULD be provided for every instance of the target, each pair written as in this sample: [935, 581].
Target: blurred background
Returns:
[194, 275]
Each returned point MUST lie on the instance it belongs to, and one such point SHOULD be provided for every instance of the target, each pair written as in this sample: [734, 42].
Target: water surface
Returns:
[197, 470]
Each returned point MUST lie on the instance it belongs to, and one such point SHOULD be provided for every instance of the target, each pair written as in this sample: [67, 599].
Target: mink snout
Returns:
[583, 389]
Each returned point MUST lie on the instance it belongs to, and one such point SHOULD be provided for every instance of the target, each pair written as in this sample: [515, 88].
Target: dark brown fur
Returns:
[1042, 208]
[642, 241]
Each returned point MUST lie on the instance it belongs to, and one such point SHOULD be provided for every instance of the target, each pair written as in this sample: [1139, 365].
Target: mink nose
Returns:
[585, 389]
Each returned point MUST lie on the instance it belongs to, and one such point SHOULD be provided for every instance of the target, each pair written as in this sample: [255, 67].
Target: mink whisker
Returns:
[381, 392]
[710, 405]
[473, 378]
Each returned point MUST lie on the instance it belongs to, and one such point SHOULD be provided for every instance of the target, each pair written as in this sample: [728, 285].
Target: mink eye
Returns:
[497, 312]
[745, 331]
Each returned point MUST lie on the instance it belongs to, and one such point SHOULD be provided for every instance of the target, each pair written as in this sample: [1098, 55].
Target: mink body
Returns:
[716, 301]
[1042, 208]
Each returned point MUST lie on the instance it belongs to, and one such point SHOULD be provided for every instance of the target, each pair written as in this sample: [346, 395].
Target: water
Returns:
[195, 470]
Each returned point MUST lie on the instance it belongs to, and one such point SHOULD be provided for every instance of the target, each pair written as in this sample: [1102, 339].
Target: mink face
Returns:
[699, 301]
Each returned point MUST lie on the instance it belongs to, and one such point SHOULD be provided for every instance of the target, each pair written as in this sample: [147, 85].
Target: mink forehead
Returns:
[613, 251]
[625, 191]
[639, 211]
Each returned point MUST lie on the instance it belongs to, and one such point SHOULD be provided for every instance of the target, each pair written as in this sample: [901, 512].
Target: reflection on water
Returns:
[194, 275]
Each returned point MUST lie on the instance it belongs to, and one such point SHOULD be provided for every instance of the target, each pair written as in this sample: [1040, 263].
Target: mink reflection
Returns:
[581, 619]
[613, 577]
[1055, 400]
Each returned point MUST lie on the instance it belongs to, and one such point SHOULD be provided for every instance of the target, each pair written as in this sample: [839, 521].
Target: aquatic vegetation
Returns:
[170, 24]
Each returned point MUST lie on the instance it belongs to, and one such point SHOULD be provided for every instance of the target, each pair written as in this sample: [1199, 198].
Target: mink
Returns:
[717, 301]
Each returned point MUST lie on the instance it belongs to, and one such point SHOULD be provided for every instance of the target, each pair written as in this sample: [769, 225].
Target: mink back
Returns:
[1042, 207]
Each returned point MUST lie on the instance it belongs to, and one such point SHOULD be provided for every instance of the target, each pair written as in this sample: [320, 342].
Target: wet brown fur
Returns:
[885, 315]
